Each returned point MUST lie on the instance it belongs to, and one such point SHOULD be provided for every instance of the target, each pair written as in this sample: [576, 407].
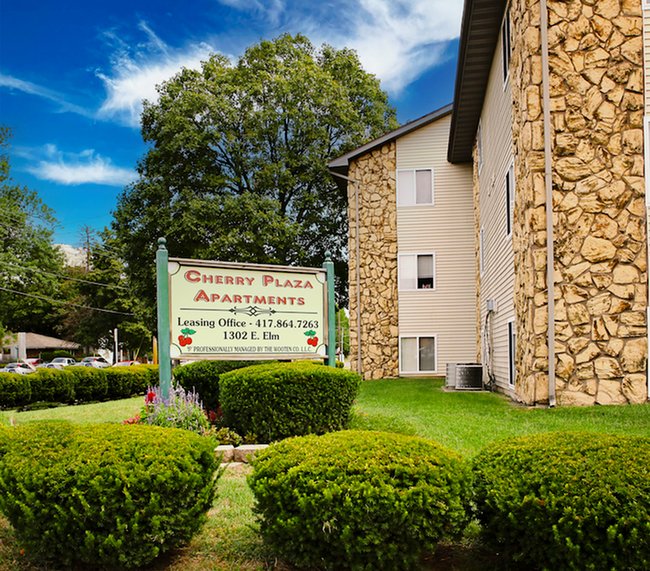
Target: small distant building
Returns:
[36, 344]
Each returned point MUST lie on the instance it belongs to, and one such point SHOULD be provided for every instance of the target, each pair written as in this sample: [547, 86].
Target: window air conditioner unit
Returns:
[464, 376]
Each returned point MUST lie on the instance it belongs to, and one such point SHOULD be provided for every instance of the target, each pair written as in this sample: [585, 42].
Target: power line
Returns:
[64, 302]
[61, 276]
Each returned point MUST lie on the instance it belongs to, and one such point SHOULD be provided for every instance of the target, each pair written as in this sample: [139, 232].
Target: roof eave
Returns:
[478, 40]
[341, 165]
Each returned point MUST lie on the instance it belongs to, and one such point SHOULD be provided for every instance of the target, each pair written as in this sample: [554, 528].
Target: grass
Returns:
[113, 411]
[463, 421]
[468, 421]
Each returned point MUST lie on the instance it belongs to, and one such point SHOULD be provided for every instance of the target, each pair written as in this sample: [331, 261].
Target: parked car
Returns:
[20, 368]
[95, 361]
[126, 363]
[35, 361]
[60, 362]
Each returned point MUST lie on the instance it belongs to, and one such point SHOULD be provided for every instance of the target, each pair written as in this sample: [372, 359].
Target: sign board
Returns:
[221, 310]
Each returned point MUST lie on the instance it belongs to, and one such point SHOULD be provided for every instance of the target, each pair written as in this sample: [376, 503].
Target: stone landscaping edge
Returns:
[240, 454]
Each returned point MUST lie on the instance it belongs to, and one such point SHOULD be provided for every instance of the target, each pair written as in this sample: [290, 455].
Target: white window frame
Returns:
[479, 144]
[415, 255]
[512, 352]
[646, 4]
[510, 198]
[506, 45]
[414, 203]
[481, 250]
[417, 338]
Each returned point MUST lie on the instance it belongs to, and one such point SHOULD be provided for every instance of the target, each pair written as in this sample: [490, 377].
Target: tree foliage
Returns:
[28, 259]
[236, 168]
[103, 286]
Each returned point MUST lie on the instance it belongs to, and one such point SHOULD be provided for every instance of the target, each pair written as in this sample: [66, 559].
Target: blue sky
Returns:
[73, 75]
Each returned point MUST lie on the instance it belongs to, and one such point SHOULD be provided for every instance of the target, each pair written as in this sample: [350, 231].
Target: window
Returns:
[479, 146]
[418, 354]
[481, 253]
[506, 47]
[417, 271]
[414, 187]
[512, 352]
[510, 198]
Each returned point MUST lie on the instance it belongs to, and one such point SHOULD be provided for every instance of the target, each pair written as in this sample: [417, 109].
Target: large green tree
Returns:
[29, 262]
[236, 166]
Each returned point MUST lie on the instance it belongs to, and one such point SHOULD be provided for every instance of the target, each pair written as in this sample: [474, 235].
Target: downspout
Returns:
[646, 151]
[358, 265]
[548, 178]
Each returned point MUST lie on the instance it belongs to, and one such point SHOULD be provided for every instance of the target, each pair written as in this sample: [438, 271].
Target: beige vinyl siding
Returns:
[497, 281]
[445, 229]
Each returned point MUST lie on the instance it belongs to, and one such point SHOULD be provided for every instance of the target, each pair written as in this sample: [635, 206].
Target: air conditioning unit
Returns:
[464, 376]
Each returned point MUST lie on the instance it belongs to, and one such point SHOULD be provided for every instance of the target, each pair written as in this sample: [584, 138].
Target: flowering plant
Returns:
[182, 409]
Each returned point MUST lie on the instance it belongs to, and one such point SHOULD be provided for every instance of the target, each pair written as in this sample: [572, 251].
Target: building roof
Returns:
[36, 341]
[478, 40]
[341, 164]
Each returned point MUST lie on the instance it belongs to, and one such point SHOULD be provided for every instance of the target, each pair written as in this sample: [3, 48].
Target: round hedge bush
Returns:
[359, 500]
[567, 500]
[104, 494]
[203, 377]
[279, 400]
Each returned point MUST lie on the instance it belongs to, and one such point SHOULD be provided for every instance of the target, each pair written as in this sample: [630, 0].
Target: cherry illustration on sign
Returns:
[312, 339]
[185, 338]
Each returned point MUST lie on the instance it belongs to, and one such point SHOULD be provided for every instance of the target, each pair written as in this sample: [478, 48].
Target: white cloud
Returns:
[397, 40]
[86, 167]
[40, 91]
[400, 40]
[134, 73]
[272, 9]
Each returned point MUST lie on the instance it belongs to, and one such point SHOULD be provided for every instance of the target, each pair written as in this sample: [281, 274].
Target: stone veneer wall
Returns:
[378, 264]
[596, 89]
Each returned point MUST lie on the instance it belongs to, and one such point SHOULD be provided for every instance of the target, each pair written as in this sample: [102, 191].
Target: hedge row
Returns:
[75, 384]
[358, 500]
[116, 495]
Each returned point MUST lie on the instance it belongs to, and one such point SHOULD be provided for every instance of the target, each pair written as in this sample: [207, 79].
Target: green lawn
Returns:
[466, 421]
[463, 421]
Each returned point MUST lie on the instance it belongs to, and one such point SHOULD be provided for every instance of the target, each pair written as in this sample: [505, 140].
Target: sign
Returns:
[221, 310]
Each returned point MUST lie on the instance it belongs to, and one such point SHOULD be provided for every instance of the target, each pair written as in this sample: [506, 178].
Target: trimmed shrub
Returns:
[567, 500]
[90, 384]
[119, 382]
[15, 389]
[287, 399]
[359, 500]
[104, 494]
[144, 376]
[203, 376]
[52, 385]
[51, 355]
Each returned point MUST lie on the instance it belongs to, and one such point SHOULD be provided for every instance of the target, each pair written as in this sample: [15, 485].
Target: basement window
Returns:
[418, 354]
